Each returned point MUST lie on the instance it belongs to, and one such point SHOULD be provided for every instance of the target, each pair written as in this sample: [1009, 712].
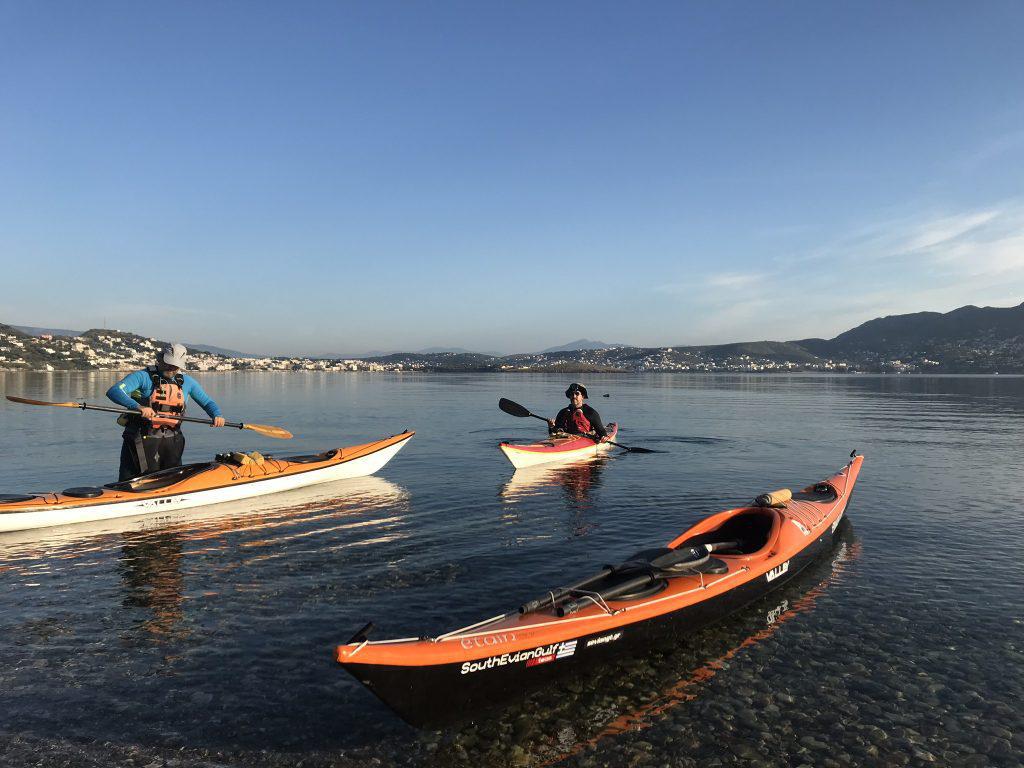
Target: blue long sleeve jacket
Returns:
[120, 393]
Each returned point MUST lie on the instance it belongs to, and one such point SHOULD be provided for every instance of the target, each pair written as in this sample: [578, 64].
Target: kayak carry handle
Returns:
[362, 635]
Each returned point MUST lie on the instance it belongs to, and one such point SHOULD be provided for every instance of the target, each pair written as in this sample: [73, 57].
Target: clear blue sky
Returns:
[336, 177]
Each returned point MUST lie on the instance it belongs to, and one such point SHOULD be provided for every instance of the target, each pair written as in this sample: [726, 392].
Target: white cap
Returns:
[175, 355]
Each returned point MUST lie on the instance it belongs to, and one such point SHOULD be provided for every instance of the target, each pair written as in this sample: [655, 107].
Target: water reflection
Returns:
[151, 574]
[774, 610]
[584, 713]
[290, 508]
[578, 482]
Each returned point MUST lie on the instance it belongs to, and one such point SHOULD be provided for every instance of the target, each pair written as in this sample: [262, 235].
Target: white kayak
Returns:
[567, 448]
[194, 485]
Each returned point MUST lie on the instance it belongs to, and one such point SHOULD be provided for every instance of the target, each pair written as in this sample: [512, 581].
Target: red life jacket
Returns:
[580, 422]
[167, 397]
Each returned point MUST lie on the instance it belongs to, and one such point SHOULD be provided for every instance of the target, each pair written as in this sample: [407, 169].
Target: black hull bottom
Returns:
[451, 693]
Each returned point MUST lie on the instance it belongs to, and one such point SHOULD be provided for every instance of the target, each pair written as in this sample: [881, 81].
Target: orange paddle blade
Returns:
[27, 401]
[269, 431]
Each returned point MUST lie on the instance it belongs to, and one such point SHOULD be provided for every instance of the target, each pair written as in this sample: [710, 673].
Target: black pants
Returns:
[160, 451]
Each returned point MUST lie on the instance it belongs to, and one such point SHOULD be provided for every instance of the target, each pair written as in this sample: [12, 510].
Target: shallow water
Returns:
[207, 637]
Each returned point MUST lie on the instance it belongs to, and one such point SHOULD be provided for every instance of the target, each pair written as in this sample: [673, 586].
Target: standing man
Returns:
[578, 418]
[151, 441]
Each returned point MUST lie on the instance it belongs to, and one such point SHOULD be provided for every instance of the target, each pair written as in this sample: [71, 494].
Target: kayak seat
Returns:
[312, 458]
[683, 558]
[14, 498]
[750, 529]
[161, 479]
[83, 492]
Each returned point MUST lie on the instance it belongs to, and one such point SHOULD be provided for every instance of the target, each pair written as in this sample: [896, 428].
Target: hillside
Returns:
[967, 340]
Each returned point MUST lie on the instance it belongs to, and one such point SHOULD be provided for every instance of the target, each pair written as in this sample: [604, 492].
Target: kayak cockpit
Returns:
[754, 529]
[163, 478]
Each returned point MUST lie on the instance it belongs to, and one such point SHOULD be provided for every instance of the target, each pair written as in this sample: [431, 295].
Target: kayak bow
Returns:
[714, 568]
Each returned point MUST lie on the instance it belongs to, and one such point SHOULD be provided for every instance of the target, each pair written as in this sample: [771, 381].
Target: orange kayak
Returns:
[714, 568]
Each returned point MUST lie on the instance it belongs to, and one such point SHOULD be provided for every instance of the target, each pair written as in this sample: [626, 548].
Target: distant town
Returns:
[966, 340]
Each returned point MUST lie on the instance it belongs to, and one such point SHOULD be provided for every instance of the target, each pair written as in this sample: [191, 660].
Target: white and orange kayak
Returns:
[568, 448]
[194, 485]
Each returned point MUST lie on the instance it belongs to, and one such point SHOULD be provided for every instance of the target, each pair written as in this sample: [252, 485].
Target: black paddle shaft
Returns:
[108, 409]
[674, 558]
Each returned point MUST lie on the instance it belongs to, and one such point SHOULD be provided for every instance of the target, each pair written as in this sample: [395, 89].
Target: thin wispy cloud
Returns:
[942, 231]
[933, 261]
[997, 147]
[734, 279]
[722, 281]
[983, 239]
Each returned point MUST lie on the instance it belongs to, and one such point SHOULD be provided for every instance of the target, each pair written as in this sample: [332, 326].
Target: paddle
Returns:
[515, 409]
[672, 562]
[263, 429]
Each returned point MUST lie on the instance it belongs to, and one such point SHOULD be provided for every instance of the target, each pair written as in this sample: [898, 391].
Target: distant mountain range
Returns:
[581, 344]
[921, 331]
[374, 353]
[218, 350]
[967, 340]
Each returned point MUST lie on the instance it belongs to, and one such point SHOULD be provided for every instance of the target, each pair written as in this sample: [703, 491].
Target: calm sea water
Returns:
[207, 639]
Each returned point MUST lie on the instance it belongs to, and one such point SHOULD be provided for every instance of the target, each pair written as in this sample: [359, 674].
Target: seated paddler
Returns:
[152, 440]
[578, 418]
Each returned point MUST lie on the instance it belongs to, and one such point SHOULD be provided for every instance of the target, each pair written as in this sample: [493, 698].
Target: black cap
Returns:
[576, 387]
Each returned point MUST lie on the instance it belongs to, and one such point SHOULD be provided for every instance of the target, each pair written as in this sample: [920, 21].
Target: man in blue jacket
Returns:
[152, 439]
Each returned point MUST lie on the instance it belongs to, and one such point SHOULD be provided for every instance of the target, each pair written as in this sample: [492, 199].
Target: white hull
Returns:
[521, 459]
[355, 493]
[360, 467]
